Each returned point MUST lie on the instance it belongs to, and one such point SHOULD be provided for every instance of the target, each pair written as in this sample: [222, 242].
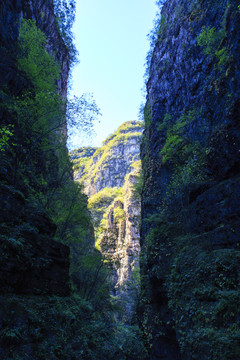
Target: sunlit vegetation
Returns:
[90, 166]
[210, 40]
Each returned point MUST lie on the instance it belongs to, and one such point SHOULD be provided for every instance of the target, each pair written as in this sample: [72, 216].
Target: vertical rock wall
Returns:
[190, 157]
[31, 262]
[120, 246]
[110, 163]
[109, 174]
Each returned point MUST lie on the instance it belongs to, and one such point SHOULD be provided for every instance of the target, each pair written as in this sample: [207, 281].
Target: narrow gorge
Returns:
[128, 251]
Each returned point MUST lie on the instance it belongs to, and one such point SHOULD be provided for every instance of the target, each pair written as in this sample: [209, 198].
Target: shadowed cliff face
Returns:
[190, 157]
[43, 13]
[32, 262]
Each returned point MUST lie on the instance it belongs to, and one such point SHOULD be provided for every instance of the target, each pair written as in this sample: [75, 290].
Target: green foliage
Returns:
[204, 292]
[41, 160]
[128, 128]
[210, 40]
[191, 173]
[40, 67]
[39, 109]
[63, 328]
[100, 204]
[106, 195]
[127, 131]
[6, 132]
[139, 184]
[187, 156]
[147, 121]
[130, 342]
[176, 147]
[165, 123]
[119, 214]
[171, 147]
[45, 106]
[81, 158]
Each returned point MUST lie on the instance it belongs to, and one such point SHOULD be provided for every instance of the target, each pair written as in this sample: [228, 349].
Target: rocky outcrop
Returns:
[119, 243]
[109, 175]
[80, 158]
[190, 156]
[109, 164]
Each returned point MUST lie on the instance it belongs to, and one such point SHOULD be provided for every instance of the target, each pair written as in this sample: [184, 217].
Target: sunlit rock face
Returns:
[120, 245]
[108, 165]
[109, 175]
[117, 164]
[190, 159]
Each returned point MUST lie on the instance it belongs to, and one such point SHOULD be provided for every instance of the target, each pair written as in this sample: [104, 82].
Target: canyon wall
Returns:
[190, 199]
[43, 13]
[32, 261]
[109, 174]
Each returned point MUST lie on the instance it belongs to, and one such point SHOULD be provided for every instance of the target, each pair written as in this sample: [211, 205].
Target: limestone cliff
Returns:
[109, 164]
[109, 174]
[190, 157]
[119, 242]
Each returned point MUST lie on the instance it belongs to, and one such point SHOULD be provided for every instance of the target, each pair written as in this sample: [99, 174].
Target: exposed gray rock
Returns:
[109, 174]
[112, 162]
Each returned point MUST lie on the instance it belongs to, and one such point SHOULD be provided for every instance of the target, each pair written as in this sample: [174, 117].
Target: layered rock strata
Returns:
[108, 165]
[109, 175]
[119, 242]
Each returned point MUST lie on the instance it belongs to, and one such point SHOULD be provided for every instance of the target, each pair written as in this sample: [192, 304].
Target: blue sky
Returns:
[111, 37]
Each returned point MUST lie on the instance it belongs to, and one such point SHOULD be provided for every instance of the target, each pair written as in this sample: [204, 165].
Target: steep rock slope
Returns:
[32, 262]
[119, 242]
[190, 156]
[109, 175]
[109, 164]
